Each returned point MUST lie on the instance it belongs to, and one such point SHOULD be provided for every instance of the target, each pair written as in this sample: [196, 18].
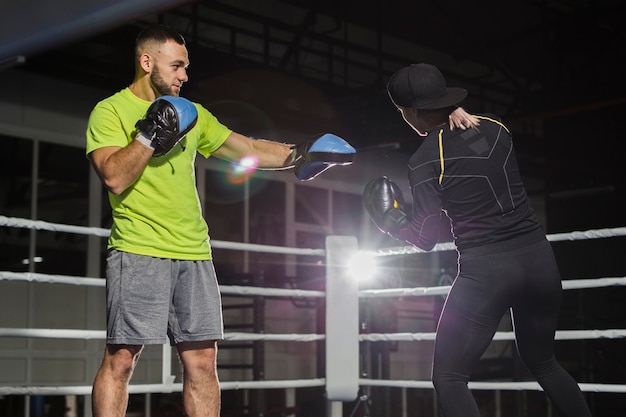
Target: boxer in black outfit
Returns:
[504, 259]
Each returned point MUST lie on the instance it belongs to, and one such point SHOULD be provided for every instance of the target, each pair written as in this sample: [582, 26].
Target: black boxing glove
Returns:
[383, 201]
[167, 121]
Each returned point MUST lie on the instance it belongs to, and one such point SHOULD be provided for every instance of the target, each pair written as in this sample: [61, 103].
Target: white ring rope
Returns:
[100, 282]
[101, 334]
[52, 227]
[442, 290]
[299, 383]
[286, 292]
[284, 337]
[560, 335]
[51, 279]
[56, 227]
[163, 388]
[556, 237]
[282, 292]
[403, 250]
[479, 385]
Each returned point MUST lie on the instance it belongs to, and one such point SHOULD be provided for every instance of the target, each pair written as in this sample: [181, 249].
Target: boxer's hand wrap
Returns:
[316, 155]
[383, 201]
[167, 121]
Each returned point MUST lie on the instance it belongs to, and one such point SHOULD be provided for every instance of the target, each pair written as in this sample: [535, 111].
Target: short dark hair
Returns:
[157, 33]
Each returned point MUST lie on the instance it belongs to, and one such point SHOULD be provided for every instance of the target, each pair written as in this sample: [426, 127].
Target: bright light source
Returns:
[36, 260]
[239, 172]
[362, 266]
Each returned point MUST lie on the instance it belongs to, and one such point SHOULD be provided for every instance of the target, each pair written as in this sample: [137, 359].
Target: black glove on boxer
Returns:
[167, 121]
[383, 201]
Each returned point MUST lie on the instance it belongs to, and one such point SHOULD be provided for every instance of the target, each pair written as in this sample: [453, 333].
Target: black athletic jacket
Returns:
[472, 176]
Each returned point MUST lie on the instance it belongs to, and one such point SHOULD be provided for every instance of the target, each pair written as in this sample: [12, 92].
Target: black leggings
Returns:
[527, 282]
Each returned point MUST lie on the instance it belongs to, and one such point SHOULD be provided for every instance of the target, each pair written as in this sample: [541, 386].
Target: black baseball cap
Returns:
[422, 86]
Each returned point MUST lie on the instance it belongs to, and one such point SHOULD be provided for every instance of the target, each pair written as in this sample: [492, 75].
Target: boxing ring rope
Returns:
[168, 384]
[555, 237]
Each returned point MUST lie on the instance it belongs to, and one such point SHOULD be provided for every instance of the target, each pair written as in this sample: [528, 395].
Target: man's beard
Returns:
[163, 88]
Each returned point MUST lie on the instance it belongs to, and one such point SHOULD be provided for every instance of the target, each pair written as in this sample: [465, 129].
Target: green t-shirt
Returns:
[160, 214]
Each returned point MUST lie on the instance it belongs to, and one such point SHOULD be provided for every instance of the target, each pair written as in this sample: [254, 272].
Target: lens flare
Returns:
[239, 172]
[362, 266]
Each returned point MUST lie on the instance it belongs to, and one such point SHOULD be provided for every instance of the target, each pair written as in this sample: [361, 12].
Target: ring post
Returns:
[342, 322]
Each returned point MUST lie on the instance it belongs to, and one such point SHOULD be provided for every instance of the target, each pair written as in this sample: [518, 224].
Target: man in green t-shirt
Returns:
[159, 272]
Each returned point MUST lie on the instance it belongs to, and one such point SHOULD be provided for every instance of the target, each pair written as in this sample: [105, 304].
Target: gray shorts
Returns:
[149, 298]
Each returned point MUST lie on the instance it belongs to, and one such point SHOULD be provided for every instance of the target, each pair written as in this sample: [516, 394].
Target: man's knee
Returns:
[121, 360]
[199, 357]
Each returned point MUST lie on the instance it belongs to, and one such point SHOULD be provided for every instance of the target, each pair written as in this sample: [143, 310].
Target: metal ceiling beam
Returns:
[295, 44]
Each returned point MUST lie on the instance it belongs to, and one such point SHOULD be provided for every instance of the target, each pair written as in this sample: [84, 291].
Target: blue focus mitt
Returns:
[167, 121]
[316, 155]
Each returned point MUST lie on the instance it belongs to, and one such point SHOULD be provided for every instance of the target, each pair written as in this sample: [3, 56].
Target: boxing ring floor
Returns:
[348, 388]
